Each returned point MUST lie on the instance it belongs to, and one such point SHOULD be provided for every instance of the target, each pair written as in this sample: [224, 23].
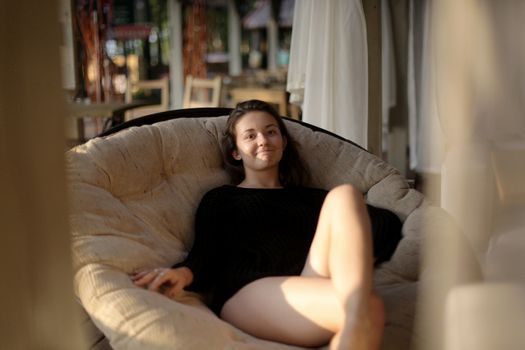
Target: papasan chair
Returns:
[134, 192]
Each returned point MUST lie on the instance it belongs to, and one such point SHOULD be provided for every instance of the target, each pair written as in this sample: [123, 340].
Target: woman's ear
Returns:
[285, 142]
[236, 155]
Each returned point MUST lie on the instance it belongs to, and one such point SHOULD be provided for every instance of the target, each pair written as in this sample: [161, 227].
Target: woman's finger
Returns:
[146, 279]
[159, 280]
[145, 271]
[140, 273]
[139, 270]
[137, 276]
[174, 291]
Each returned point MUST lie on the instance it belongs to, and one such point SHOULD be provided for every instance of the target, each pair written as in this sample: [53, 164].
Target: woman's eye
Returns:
[272, 132]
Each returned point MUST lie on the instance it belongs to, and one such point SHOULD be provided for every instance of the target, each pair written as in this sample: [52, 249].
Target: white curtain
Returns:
[234, 40]
[328, 71]
[388, 69]
[176, 73]
[426, 138]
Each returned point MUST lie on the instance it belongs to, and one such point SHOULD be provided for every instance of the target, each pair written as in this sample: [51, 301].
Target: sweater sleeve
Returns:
[203, 256]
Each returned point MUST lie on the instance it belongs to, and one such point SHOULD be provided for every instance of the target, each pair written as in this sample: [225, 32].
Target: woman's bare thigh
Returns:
[296, 310]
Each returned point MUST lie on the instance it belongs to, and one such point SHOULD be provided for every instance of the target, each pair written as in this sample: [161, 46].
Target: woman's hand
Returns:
[169, 282]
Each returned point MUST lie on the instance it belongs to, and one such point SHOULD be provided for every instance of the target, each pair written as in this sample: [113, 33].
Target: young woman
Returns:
[280, 261]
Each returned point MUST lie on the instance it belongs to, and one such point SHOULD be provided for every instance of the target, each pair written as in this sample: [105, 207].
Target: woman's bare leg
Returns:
[291, 310]
[342, 252]
[303, 311]
[334, 293]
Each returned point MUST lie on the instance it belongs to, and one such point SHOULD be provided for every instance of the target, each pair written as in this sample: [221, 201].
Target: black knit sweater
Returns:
[243, 234]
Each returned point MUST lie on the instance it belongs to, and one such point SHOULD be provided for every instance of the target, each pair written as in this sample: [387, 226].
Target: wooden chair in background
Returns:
[200, 92]
[276, 97]
[148, 87]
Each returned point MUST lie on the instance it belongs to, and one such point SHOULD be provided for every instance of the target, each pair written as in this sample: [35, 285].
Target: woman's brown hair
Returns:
[292, 171]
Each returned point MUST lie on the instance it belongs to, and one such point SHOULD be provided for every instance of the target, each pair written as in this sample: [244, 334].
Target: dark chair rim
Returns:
[204, 113]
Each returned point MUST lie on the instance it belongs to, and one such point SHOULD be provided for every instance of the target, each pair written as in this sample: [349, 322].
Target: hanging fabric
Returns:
[426, 138]
[388, 70]
[328, 71]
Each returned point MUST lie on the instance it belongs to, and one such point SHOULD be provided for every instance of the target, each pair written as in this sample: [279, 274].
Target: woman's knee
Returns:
[345, 192]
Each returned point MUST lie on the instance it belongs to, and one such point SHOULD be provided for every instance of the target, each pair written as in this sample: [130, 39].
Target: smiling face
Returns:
[259, 142]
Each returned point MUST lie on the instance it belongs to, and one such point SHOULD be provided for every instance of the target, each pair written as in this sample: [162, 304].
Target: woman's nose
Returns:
[262, 139]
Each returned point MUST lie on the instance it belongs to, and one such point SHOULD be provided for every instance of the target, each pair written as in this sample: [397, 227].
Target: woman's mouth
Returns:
[265, 151]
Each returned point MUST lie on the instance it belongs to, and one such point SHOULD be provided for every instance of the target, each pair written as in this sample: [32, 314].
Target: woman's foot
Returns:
[365, 331]
[353, 337]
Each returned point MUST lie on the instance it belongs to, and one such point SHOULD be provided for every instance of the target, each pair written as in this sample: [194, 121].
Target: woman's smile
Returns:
[265, 151]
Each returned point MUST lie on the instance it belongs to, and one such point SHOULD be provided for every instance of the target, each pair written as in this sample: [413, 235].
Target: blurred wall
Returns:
[36, 297]
[479, 82]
